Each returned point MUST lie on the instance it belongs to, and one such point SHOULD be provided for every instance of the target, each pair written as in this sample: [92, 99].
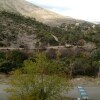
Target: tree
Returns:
[35, 81]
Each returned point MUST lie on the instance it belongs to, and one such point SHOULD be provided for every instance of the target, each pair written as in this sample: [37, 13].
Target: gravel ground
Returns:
[86, 82]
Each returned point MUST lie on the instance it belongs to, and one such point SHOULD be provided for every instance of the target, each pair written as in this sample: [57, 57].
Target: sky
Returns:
[88, 10]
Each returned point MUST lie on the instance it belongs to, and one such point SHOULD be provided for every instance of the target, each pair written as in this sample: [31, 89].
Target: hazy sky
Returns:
[80, 9]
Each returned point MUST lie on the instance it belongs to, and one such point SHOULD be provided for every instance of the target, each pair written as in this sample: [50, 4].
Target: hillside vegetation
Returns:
[19, 31]
[80, 58]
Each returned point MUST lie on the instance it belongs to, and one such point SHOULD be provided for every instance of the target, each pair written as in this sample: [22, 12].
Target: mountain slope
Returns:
[25, 8]
[19, 31]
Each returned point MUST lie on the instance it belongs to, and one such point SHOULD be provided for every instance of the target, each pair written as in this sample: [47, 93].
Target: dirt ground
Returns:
[86, 81]
[4, 78]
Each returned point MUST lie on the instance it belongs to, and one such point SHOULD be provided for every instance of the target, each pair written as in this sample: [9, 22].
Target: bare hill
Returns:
[25, 8]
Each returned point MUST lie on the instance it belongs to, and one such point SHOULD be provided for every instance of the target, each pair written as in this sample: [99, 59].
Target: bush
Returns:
[11, 60]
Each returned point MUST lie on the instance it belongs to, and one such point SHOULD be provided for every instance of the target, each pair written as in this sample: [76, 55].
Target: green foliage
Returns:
[11, 60]
[96, 54]
[13, 25]
[34, 82]
[2, 55]
[5, 66]
[80, 64]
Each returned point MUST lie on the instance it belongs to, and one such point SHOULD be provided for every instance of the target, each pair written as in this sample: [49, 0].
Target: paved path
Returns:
[93, 93]
[3, 94]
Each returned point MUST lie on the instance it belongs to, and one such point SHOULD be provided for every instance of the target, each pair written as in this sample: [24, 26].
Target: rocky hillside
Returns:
[25, 8]
[19, 31]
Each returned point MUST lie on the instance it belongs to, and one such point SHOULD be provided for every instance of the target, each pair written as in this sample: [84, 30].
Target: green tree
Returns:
[34, 81]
